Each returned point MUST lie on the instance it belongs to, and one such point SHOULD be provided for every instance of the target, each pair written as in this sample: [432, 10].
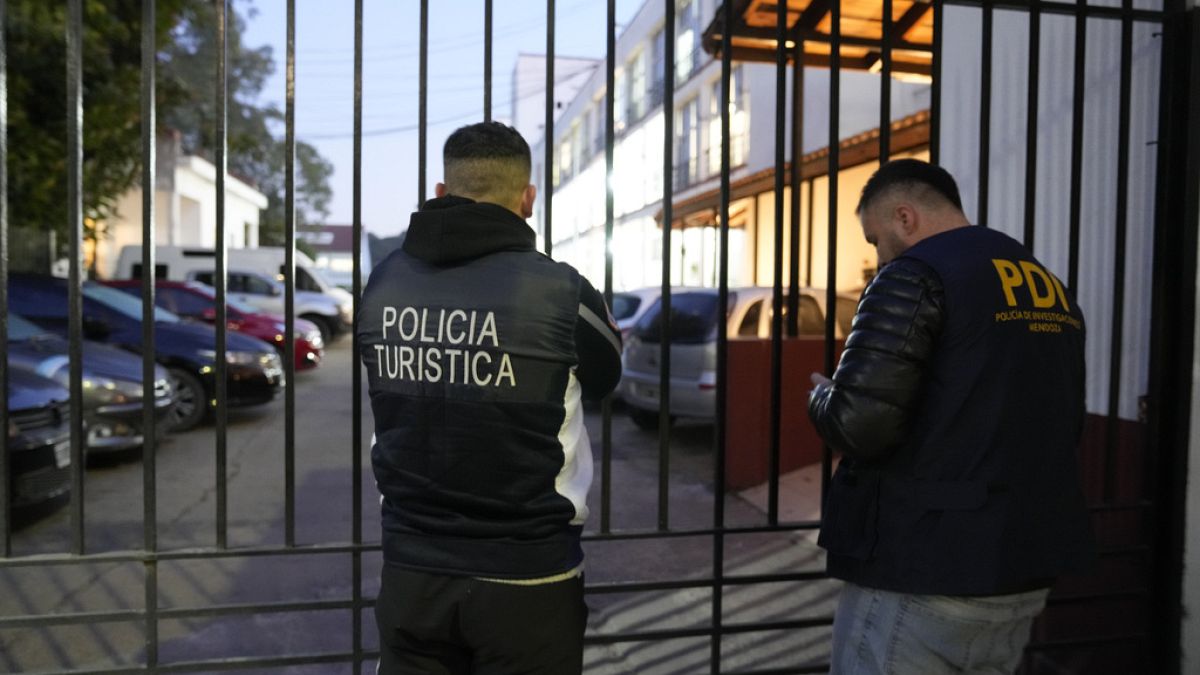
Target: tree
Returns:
[186, 35]
[37, 97]
[254, 153]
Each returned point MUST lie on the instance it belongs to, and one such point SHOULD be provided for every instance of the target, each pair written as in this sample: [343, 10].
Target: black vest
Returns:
[466, 334]
[985, 497]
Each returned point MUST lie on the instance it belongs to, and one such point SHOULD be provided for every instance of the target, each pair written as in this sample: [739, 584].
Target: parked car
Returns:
[186, 349]
[39, 439]
[112, 383]
[693, 377]
[194, 300]
[180, 263]
[629, 306]
[266, 295]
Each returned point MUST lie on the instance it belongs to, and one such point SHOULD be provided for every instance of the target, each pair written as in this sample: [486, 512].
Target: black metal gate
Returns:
[1133, 465]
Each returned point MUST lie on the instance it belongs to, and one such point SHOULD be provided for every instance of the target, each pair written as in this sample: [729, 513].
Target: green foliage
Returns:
[37, 106]
[253, 153]
[186, 98]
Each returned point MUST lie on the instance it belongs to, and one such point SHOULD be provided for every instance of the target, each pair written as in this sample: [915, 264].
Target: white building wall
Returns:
[1099, 247]
[578, 209]
[184, 216]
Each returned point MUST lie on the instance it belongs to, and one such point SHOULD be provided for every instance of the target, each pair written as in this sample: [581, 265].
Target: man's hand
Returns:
[818, 379]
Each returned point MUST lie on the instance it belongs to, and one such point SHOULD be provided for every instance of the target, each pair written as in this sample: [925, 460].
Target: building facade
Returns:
[185, 209]
[578, 210]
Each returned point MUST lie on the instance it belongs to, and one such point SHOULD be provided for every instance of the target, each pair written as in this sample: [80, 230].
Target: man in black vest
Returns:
[957, 407]
[478, 350]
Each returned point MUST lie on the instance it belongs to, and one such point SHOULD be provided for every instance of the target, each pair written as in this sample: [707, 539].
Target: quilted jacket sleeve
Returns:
[868, 409]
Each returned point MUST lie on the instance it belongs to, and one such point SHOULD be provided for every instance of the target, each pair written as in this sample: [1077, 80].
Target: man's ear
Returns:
[440, 190]
[527, 199]
[907, 218]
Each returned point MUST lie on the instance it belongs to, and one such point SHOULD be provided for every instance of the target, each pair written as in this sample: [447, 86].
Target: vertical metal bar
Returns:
[356, 421]
[985, 113]
[885, 86]
[609, 141]
[149, 279]
[776, 415]
[1077, 143]
[289, 280]
[5, 504]
[835, 104]
[664, 344]
[935, 94]
[221, 250]
[718, 565]
[75, 230]
[548, 134]
[422, 102]
[793, 298]
[1118, 311]
[487, 60]
[1031, 124]
[810, 225]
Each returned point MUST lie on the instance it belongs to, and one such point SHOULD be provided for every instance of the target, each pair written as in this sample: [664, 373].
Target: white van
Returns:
[314, 295]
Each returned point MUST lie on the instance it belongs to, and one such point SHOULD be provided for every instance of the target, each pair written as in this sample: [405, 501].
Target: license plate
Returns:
[62, 454]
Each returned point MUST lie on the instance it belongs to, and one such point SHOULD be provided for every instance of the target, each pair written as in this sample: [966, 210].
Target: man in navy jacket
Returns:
[478, 351]
[957, 406]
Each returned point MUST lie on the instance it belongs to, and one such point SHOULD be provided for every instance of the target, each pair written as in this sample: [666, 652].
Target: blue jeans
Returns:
[883, 633]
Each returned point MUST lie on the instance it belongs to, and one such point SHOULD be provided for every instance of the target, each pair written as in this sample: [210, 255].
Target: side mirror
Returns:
[96, 329]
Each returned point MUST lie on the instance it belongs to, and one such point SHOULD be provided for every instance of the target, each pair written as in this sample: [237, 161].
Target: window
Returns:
[749, 327]
[739, 120]
[599, 129]
[305, 281]
[625, 305]
[687, 144]
[619, 104]
[658, 45]
[182, 302]
[637, 87]
[687, 35]
[253, 285]
[693, 319]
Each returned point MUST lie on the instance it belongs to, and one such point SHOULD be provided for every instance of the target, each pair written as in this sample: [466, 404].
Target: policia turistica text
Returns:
[478, 351]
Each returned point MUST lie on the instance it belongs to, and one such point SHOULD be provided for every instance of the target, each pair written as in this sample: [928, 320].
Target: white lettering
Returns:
[489, 328]
[506, 370]
[406, 361]
[453, 354]
[386, 321]
[475, 368]
[380, 355]
[410, 334]
[462, 316]
[433, 363]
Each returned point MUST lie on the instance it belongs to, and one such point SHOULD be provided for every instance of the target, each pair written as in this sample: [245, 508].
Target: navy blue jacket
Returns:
[478, 350]
[958, 405]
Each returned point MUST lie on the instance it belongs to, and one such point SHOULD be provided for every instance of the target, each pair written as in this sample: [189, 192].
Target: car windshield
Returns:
[129, 305]
[693, 319]
[624, 305]
[20, 328]
[240, 305]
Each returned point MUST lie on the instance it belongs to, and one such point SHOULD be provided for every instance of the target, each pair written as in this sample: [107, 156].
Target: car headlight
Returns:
[233, 358]
[106, 390]
[347, 310]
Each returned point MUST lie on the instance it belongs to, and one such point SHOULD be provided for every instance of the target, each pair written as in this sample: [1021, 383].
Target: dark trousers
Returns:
[431, 624]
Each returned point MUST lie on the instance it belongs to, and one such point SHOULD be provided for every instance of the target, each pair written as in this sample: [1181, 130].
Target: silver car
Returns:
[693, 350]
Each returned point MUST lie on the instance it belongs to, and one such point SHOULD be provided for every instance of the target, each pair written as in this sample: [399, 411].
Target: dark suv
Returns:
[185, 349]
[39, 439]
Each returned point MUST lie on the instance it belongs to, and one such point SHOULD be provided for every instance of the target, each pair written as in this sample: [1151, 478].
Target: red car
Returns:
[194, 300]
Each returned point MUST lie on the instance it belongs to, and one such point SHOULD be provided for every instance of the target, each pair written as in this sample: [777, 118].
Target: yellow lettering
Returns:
[1039, 300]
[1062, 295]
[1010, 278]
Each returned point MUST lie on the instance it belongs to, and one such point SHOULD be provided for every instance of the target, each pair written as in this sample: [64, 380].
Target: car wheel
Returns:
[646, 420]
[324, 325]
[191, 403]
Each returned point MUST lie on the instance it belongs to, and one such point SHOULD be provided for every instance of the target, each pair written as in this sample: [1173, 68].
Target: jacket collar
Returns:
[454, 229]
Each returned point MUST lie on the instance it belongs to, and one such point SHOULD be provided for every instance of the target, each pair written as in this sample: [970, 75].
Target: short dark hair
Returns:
[910, 174]
[486, 159]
